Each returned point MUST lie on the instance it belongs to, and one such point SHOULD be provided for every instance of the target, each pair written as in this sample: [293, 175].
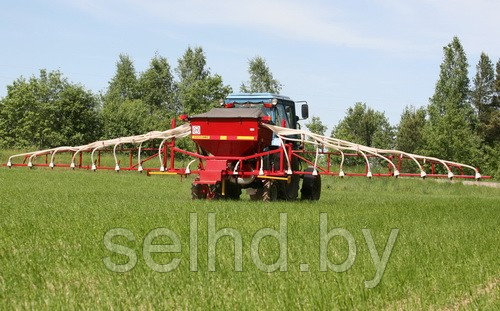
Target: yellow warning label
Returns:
[245, 137]
[200, 137]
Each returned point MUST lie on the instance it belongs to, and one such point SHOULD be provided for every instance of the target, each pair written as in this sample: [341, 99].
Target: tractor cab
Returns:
[281, 109]
[241, 152]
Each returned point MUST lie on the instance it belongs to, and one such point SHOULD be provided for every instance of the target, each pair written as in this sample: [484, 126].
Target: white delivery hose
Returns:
[338, 144]
[282, 133]
[139, 163]
[178, 132]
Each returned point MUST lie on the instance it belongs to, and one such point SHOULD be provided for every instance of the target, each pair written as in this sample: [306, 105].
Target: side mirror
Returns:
[305, 111]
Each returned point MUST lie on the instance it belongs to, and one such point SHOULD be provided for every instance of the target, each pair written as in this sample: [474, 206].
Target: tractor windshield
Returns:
[278, 113]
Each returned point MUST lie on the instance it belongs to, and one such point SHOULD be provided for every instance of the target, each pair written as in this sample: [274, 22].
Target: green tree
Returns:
[123, 86]
[491, 148]
[409, 136]
[496, 87]
[197, 89]
[130, 117]
[491, 124]
[191, 66]
[156, 85]
[261, 78]
[365, 126]
[449, 132]
[482, 93]
[316, 126]
[48, 111]
[123, 112]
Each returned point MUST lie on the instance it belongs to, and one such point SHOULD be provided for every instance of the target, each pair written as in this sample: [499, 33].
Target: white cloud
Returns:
[302, 21]
[475, 22]
[400, 26]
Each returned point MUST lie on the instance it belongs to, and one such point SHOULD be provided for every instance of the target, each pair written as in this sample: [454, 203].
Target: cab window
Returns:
[269, 112]
[281, 115]
[290, 115]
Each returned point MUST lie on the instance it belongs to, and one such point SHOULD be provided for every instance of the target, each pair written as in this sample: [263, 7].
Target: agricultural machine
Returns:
[252, 142]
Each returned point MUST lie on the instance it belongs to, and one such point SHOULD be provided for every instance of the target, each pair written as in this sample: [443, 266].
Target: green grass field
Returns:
[52, 224]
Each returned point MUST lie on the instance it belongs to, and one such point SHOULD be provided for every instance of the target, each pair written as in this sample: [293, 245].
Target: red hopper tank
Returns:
[230, 131]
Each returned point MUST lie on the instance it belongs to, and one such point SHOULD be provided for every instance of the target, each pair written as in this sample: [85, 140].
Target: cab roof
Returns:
[254, 97]
[224, 113]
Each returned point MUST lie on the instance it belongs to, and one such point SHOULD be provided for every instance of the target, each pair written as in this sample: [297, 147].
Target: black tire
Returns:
[269, 191]
[255, 193]
[199, 192]
[214, 192]
[311, 186]
[233, 191]
[289, 191]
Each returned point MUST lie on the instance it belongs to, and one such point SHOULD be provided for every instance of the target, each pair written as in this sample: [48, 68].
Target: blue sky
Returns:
[331, 53]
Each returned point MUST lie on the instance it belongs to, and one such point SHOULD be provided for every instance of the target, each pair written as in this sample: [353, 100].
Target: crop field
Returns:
[53, 222]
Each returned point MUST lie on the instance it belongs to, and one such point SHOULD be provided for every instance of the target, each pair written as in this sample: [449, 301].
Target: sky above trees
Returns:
[332, 53]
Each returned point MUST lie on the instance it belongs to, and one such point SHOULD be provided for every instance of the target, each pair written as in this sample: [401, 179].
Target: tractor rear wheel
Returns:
[267, 192]
[233, 191]
[199, 191]
[270, 191]
[289, 190]
[311, 186]
[214, 192]
[255, 193]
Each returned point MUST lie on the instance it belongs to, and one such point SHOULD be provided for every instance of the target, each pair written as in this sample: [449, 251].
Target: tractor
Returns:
[242, 154]
[251, 142]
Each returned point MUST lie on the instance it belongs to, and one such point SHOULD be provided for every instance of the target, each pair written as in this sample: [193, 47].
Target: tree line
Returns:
[48, 110]
[461, 122]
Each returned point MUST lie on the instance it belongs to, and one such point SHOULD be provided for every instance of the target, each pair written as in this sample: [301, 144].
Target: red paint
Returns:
[212, 172]
[230, 137]
[266, 119]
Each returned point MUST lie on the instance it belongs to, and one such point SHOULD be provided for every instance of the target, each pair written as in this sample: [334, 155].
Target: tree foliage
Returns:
[316, 126]
[130, 117]
[123, 86]
[261, 78]
[496, 87]
[459, 124]
[192, 65]
[449, 133]
[486, 100]
[156, 85]
[482, 98]
[47, 111]
[132, 105]
[123, 89]
[197, 89]
[490, 129]
[365, 126]
[482, 92]
[409, 137]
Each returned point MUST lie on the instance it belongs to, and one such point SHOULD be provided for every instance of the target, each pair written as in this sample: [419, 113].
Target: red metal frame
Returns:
[131, 165]
[170, 151]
